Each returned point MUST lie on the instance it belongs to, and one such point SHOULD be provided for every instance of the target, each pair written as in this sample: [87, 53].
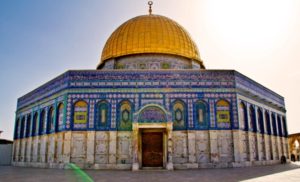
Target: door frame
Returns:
[164, 143]
[138, 128]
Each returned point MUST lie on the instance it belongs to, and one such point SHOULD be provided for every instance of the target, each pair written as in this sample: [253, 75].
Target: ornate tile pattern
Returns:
[142, 88]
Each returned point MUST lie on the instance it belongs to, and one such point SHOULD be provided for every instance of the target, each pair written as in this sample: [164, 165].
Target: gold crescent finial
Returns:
[150, 3]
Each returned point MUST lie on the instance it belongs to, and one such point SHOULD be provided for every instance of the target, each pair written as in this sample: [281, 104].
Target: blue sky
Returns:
[39, 40]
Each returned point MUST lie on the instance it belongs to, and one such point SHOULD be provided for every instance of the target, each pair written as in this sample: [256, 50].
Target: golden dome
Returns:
[150, 34]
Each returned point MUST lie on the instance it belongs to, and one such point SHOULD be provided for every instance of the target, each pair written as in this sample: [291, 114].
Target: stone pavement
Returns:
[274, 173]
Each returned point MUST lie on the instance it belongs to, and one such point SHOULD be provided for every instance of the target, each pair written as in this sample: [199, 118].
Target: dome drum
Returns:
[150, 62]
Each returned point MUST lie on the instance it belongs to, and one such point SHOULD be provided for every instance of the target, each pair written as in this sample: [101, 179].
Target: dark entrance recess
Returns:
[152, 149]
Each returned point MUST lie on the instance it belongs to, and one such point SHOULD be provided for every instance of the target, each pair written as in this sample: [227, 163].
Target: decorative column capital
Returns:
[169, 126]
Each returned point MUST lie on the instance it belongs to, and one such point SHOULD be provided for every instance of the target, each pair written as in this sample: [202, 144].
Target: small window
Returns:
[60, 116]
[125, 113]
[260, 121]
[34, 124]
[28, 124]
[179, 115]
[50, 126]
[268, 122]
[42, 122]
[201, 115]
[253, 119]
[243, 115]
[22, 127]
[102, 114]
[80, 112]
[223, 111]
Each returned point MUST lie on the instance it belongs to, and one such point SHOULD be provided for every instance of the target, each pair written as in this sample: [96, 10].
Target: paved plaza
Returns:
[274, 173]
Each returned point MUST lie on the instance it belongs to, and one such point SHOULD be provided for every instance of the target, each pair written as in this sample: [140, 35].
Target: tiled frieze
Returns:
[152, 101]
[115, 78]
[152, 62]
[246, 84]
[218, 79]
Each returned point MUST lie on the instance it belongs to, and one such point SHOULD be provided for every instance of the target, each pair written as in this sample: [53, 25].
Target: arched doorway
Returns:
[296, 150]
[152, 138]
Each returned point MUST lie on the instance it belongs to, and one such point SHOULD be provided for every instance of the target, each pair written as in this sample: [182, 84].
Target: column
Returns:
[67, 147]
[258, 136]
[277, 138]
[51, 148]
[29, 144]
[135, 136]
[266, 137]
[214, 152]
[237, 137]
[112, 158]
[17, 143]
[34, 152]
[90, 150]
[274, 138]
[23, 141]
[191, 147]
[44, 149]
[28, 152]
[283, 152]
[250, 139]
[16, 150]
[60, 146]
[170, 146]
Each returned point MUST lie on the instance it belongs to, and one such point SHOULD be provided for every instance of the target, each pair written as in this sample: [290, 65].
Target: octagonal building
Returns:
[150, 104]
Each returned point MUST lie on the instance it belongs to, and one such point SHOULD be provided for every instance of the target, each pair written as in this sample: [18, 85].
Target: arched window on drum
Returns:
[201, 115]
[179, 116]
[80, 112]
[102, 115]
[223, 112]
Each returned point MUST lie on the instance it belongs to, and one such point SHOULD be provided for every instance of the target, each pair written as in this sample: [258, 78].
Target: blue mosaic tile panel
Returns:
[212, 113]
[251, 86]
[92, 112]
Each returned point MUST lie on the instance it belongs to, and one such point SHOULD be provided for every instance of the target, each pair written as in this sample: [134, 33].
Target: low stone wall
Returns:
[114, 149]
[5, 154]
